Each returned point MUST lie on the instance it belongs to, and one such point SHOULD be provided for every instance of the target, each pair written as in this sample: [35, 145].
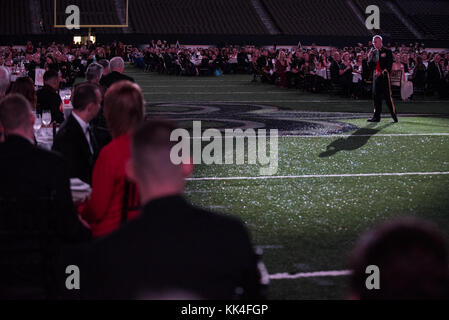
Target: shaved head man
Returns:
[172, 245]
[35, 190]
[16, 117]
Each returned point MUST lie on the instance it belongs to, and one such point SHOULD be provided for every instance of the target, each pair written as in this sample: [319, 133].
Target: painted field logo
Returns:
[213, 153]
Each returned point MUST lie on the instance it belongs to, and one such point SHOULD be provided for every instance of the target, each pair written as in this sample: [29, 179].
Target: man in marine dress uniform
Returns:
[380, 59]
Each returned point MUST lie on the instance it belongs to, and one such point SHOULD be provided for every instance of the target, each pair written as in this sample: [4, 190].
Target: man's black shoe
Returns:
[395, 119]
[374, 120]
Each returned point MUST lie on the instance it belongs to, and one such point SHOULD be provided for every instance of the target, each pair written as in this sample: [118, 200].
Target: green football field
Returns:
[329, 188]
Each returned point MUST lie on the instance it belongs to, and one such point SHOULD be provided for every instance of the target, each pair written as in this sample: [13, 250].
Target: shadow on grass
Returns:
[355, 141]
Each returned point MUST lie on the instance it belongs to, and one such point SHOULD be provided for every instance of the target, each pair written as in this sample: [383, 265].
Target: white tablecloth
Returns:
[44, 138]
[356, 77]
[322, 73]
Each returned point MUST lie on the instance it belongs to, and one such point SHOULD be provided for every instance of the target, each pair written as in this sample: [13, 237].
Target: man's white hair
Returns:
[116, 63]
[5, 80]
[378, 36]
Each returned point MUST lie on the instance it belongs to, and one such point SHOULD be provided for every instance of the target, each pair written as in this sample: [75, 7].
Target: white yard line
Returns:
[334, 273]
[442, 134]
[214, 93]
[270, 246]
[306, 176]
[192, 86]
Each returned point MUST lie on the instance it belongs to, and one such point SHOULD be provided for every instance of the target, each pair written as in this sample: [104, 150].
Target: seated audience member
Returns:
[117, 66]
[48, 98]
[114, 199]
[25, 87]
[105, 64]
[5, 81]
[94, 73]
[412, 259]
[172, 245]
[77, 140]
[37, 215]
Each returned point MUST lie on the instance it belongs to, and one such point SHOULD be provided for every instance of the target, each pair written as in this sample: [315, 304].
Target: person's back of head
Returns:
[5, 80]
[51, 79]
[86, 100]
[105, 64]
[412, 259]
[123, 107]
[117, 64]
[16, 116]
[94, 72]
[151, 166]
[25, 87]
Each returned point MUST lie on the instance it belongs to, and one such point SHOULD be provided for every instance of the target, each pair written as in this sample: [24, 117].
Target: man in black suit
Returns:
[36, 209]
[335, 68]
[435, 76]
[93, 75]
[117, 66]
[77, 140]
[172, 246]
[48, 98]
[380, 60]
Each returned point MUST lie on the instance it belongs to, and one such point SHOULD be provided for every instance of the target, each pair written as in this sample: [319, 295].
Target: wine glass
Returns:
[46, 118]
[37, 123]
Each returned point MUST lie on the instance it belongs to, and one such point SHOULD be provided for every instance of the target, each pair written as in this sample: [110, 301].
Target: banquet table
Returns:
[321, 73]
[44, 137]
[356, 77]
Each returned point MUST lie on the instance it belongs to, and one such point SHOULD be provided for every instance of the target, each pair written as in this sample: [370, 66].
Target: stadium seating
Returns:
[98, 12]
[10, 10]
[315, 17]
[430, 16]
[389, 22]
[328, 18]
[195, 17]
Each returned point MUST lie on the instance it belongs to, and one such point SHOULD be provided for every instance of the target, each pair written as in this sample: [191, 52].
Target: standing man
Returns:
[380, 59]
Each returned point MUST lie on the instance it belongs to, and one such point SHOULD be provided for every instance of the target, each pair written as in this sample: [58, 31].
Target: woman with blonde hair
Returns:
[406, 86]
[114, 200]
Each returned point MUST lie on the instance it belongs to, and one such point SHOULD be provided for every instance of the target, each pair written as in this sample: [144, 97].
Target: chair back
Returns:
[396, 78]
